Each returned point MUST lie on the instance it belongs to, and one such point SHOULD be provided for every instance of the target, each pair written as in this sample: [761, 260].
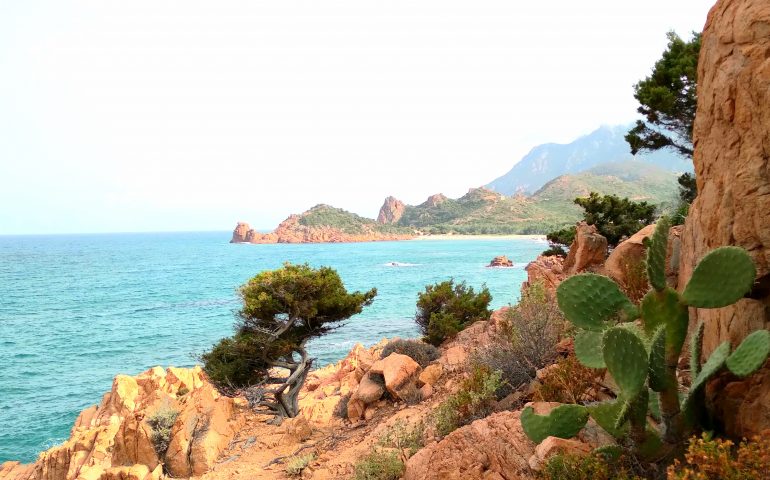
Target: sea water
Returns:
[75, 310]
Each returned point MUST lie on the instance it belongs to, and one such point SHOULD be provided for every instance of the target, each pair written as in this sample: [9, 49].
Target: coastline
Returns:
[480, 237]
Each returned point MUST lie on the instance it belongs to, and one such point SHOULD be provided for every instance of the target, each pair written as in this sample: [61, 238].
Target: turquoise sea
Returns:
[77, 309]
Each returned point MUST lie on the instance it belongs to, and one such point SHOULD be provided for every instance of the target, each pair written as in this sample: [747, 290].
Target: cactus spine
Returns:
[643, 361]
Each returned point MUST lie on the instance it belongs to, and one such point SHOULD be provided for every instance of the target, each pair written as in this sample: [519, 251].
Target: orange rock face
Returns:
[391, 211]
[113, 440]
[732, 148]
[241, 232]
[589, 249]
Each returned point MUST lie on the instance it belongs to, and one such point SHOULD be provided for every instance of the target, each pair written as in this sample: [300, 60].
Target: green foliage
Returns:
[564, 421]
[598, 466]
[646, 357]
[667, 99]
[554, 251]
[282, 310]
[403, 436]
[615, 217]
[421, 352]
[445, 308]
[297, 463]
[379, 465]
[688, 188]
[565, 236]
[475, 399]
[716, 459]
[696, 348]
[161, 423]
[346, 222]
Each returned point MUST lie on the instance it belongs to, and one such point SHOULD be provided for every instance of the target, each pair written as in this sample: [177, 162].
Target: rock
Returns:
[494, 447]
[356, 409]
[370, 390]
[732, 144]
[546, 270]
[426, 391]
[113, 440]
[434, 200]
[240, 232]
[391, 211]
[431, 374]
[400, 373]
[454, 357]
[556, 446]
[627, 256]
[589, 249]
[501, 261]
[295, 430]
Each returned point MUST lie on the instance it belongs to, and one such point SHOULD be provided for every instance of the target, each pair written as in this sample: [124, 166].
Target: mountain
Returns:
[604, 145]
[483, 211]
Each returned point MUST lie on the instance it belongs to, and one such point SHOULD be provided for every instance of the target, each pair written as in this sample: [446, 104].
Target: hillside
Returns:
[604, 145]
[482, 211]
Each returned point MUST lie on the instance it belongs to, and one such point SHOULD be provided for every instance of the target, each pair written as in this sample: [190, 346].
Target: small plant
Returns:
[421, 352]
[554, 251]
[446, 308]
[644, 360]
[714, 459]
[403, 436]
[379, 465]
[182, 392]
[475, 399]
[161, 423]
[566, 382]
[297, 463]
[591, 467]
[635, 274]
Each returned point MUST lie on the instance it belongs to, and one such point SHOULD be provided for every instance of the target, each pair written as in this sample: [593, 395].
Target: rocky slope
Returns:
[732, 164]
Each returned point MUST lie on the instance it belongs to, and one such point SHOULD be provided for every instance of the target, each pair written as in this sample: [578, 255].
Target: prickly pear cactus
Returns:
[564, 421]
[643, 359]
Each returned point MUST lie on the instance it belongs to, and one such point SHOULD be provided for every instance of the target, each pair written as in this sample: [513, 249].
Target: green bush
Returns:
[446, 308]
[297, 463]
[475, 399]
[161, 423]
[403, 436]
[565, 236]
[421, 352]
[380, 466]
[554, 251]
[592, 467]
[615, 217]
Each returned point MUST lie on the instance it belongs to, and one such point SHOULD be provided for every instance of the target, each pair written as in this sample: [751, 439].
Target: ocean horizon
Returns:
[78, 309]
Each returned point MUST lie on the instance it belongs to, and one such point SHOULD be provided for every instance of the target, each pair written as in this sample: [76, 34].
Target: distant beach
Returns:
[479, 237]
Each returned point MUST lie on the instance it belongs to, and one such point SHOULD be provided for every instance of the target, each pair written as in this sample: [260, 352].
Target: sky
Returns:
[181, 115]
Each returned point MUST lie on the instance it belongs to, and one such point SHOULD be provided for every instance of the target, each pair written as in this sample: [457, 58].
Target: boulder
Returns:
[732, 146]
[240, 233]
[400, 373]
[545, 270]
[501, 261]
[370, 389]
[628, 256]
[556, 446]
[431, 374]
[589, 249]
[494, 447]
[295, 430]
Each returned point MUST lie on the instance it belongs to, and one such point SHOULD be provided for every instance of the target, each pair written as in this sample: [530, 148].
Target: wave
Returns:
[400, 264]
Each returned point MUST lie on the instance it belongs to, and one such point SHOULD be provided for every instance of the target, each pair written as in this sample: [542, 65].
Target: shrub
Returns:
[341, 409]
[565, 236]
[161, 423]
[554, 251]
[403, 436]
[379, 465]
[615, 217]
[182, 392]
[297, 463]
[592, 467]
[566, 382]
[635, 274]
[475, 399]
[716, 459]
[421, 352]
[445, 308]
[282, 310]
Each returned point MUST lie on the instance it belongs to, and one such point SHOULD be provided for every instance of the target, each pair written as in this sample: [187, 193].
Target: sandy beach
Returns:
[479, 237]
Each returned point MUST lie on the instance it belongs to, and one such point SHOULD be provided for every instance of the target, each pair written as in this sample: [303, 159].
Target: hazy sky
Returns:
[186, 115]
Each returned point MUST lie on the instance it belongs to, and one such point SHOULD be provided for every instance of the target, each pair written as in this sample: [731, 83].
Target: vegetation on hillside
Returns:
[282, 309]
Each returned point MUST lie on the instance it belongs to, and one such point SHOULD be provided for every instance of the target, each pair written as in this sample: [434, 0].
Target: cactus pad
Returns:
[564, 421]
[715, 362]
[633, 410]
[665, 308]
[626, 359]
[659, 378]
[589, 301]
[656, 254]
[721, 278]
[606, 415]
[750, 354]
[588, 348]
[696, 349]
